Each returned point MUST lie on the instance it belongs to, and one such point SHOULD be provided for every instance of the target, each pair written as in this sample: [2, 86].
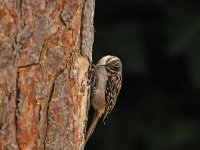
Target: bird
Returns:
[105, 88]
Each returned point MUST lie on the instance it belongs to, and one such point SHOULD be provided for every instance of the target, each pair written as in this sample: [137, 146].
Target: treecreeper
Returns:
[106, 83]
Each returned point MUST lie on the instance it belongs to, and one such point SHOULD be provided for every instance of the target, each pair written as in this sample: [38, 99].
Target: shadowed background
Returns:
[158, 42]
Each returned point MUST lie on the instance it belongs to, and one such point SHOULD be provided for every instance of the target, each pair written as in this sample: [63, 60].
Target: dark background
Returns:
[158, 42]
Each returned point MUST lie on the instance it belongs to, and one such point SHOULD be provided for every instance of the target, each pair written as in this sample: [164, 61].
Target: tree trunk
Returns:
[45, 54]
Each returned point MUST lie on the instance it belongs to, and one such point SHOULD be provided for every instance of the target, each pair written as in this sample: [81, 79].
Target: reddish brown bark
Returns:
[45, 52]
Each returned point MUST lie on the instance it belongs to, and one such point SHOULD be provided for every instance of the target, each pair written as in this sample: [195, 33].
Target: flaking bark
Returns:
[45, 54]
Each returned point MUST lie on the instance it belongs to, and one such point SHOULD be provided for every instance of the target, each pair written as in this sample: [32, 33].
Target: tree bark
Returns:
[45, 55]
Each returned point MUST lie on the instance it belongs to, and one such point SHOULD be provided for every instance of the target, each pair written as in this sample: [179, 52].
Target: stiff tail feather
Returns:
[93, 125]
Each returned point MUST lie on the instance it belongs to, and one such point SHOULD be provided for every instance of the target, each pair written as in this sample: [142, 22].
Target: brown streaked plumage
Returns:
[107, 77]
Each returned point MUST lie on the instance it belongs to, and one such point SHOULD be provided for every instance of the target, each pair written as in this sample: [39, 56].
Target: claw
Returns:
[91, 78]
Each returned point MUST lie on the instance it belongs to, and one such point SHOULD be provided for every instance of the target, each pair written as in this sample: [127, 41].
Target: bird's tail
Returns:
[93, 125]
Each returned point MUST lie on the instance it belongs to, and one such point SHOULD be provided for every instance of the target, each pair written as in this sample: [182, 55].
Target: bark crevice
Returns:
[45, 53]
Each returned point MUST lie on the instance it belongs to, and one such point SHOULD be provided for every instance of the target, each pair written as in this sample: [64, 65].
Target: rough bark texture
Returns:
[45, 53]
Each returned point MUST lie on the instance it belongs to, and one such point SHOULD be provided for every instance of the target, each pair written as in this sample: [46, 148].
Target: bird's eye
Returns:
[110, 59]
